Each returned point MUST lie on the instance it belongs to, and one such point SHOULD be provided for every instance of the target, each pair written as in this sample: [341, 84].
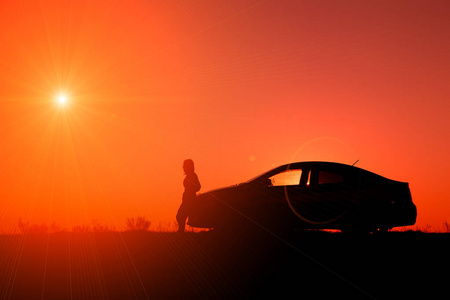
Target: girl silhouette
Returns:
[191, 187]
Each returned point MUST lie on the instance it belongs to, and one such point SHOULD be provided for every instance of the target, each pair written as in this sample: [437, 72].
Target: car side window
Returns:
[328, 177]
[288, 177]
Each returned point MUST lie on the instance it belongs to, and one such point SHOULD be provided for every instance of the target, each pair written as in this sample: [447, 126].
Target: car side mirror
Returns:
[262, 182]
[266, 182]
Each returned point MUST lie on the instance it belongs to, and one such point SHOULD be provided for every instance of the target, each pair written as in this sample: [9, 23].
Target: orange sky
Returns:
[238, 86]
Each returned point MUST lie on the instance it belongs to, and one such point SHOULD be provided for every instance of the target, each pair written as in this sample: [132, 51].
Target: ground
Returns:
[149, 265]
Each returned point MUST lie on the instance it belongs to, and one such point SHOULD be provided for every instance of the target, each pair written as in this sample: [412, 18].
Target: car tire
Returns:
[382, 230]
[355, 232]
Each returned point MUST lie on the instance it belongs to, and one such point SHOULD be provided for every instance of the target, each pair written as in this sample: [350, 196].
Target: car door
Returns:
[327, 196]
[271, 208]
[302, 202]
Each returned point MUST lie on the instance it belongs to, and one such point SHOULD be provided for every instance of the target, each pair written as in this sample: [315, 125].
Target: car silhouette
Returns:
[308, 195]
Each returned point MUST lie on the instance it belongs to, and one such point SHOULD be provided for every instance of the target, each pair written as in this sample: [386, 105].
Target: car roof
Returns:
[329, 166]
[317, 165]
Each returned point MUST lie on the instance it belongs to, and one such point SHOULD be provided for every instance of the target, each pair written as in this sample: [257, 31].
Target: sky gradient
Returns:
[238, 86]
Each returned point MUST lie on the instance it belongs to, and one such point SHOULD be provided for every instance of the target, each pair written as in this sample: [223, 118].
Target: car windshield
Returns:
[260, 175]
[272, 172]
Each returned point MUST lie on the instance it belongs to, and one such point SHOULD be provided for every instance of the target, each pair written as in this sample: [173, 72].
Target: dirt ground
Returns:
[210, 265]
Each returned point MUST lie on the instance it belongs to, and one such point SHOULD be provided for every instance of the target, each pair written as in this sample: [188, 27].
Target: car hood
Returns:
[219, 190]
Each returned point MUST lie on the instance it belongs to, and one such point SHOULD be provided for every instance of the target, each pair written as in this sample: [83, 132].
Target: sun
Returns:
[62, 100]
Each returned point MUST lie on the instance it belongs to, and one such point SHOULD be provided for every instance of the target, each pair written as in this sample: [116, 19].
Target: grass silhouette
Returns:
[98, 262]
[139, 223]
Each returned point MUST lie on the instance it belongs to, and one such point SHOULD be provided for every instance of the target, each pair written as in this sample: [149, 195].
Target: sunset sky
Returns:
[238, 86]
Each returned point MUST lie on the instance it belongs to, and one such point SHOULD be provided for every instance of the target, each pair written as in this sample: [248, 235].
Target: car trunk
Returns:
[403, 210]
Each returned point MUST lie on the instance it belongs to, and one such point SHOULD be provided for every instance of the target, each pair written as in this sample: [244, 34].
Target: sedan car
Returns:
[308, 195]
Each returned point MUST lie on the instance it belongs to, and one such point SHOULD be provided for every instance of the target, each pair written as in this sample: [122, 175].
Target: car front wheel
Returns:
[356, 231]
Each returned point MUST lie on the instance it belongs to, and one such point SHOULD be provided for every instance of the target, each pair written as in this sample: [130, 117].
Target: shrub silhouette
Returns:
[95, 227]
[81, 229]
[26, 228]
[139, 224]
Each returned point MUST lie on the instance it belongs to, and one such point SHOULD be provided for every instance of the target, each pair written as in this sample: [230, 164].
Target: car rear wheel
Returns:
[381, 230]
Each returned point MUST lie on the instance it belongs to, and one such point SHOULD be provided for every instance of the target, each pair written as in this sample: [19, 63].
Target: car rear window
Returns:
[328, 177]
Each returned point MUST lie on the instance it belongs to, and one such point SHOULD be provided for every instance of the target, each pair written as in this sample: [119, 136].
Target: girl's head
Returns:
[188, 166]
